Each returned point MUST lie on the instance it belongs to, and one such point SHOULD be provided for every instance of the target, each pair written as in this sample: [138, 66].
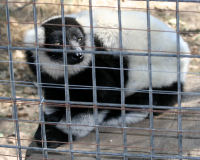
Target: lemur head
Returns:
[75, 42]
[51, 36]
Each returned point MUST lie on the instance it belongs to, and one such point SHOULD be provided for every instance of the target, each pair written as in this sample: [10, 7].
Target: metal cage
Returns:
[173, 135]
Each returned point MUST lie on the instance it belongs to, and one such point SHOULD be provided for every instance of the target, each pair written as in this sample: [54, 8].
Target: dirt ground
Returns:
[111, 138]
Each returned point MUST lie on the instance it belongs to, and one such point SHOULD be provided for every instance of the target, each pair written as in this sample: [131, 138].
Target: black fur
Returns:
[52, 140]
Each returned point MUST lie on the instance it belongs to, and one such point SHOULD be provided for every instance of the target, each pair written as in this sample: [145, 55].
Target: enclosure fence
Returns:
[21, 91]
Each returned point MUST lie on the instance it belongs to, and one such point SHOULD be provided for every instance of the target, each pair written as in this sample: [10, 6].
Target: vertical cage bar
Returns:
[94, 90]
[67, 96]
[180, 147]
[12, 81]
[39, 87]
[123, 111]
[150, 79]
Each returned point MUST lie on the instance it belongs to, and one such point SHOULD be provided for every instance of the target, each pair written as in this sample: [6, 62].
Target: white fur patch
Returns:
[82, 124]
[129, 118]
[134, 39]
[29, 37]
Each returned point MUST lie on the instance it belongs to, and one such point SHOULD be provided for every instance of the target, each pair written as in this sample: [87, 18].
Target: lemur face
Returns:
[75, 42]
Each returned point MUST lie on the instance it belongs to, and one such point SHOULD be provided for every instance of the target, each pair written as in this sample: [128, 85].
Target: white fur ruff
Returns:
[53, 68]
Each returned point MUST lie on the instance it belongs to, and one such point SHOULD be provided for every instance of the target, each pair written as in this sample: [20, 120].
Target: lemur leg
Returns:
[53, 135]
[82, 120]
[57, 135]
[54, 138]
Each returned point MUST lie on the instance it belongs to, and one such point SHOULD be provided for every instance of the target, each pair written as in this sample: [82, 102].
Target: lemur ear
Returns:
[30, 37]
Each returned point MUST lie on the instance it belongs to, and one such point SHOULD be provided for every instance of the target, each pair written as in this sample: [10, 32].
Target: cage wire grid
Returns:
[41, 101]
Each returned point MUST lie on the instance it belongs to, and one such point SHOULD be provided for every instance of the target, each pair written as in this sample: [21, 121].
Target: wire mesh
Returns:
[174, 134]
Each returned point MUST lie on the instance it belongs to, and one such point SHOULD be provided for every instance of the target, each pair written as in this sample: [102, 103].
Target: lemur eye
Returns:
[79, 39]
[57, 44]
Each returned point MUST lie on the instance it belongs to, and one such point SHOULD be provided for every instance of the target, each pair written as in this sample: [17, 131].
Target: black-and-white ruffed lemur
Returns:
[106, 38]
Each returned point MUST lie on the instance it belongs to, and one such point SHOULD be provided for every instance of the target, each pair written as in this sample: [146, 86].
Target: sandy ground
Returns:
[111, 138]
